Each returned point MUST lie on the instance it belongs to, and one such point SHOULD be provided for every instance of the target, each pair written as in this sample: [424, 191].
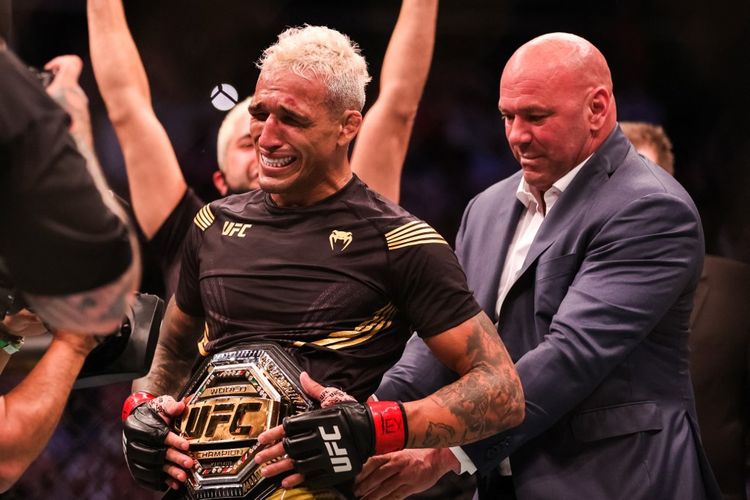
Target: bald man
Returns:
[587, 259]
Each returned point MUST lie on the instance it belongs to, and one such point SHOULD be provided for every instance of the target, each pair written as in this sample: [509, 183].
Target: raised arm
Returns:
[155, 179]
[380, 150]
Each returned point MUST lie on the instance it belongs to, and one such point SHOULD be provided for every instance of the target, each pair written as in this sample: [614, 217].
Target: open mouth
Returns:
[277, 162]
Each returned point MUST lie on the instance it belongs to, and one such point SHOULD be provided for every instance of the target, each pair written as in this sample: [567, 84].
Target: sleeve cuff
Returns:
[466, 464]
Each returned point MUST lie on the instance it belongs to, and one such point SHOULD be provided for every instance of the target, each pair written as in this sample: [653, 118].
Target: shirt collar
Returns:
[524, 195]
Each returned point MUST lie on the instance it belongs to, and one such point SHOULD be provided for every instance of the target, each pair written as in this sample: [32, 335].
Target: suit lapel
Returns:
[499, 236]
[491, 223]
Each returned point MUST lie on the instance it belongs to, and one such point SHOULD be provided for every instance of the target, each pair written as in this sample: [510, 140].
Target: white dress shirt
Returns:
[528, 226]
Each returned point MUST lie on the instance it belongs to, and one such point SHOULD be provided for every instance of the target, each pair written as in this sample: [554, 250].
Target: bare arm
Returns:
[487, 399]
[30, 412]
[380, 150]
[154, 175]
[175, 354]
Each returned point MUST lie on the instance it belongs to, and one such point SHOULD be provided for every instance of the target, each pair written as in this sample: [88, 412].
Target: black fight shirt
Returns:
[340, 284]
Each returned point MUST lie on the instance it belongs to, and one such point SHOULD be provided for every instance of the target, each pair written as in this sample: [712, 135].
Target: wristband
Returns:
[389, 423]
[134, 400]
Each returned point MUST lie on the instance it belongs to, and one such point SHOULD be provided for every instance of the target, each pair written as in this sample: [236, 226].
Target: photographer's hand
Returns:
[65, 90]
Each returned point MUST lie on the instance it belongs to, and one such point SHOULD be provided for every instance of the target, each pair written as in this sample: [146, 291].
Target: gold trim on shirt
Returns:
[204, 218]
[203, 341]
[381, 320]
[413, 233]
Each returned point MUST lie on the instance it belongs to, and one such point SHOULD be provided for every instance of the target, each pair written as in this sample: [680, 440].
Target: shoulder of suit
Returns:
[500, 191]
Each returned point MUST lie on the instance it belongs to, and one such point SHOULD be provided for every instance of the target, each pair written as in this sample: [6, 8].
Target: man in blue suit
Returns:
[587, 259]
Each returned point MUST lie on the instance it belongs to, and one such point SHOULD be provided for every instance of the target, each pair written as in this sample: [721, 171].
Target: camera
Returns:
[127, 353]
[124, 355]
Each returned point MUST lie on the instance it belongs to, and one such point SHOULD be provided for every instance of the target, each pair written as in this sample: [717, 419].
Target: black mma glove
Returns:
[143, 435]
[330, 445]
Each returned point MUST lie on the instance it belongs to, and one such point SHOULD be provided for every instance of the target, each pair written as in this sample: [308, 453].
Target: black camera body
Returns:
[126, 354]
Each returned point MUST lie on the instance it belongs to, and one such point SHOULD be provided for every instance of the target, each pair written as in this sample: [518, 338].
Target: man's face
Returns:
[241, 163]
[297, 138]
[545, 122]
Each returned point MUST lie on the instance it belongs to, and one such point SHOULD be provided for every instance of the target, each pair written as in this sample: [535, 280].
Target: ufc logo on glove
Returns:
[339, 456]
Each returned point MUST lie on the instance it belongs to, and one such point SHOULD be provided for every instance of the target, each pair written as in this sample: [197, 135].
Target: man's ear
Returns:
[350, 124]
[599, 108]
[220, 183]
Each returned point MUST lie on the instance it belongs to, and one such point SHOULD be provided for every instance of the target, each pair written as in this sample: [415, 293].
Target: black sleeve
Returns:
[59, 237]
[430, 286]
[167, 242]
[188, 294]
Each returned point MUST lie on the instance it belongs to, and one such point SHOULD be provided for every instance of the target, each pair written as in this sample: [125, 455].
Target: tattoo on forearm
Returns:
[175, 354]
[97, 311]
[168, 375]
[438, 433]
[483, 401]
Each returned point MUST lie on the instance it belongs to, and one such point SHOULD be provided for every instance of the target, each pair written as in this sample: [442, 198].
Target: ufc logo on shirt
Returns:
[235, 229]
[339, 456]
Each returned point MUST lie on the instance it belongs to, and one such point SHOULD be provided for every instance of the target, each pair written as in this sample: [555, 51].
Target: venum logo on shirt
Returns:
[235, 229]
[340, 237]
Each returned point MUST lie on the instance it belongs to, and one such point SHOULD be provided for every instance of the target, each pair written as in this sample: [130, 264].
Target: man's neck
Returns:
[325, 188]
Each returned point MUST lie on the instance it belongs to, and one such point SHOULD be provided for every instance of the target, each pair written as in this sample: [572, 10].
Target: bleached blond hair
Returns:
[226, 130]
[324, 53]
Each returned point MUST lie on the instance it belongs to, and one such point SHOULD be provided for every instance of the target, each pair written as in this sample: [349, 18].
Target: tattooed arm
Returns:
[487, 399]
[175, 354]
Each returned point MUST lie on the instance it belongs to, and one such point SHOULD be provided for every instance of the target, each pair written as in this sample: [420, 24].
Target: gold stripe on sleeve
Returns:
[204, 218]
[413, 233]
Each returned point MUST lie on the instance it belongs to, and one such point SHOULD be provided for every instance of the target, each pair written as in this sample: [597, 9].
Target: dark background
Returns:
[681, 65]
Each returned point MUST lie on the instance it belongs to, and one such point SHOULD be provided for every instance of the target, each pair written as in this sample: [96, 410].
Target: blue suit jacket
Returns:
[597, 324]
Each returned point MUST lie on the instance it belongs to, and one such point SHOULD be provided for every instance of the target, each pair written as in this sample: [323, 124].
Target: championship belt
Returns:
[234, 396]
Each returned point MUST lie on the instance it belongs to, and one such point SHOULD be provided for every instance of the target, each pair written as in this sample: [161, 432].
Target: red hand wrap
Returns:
[135, 399]
[389, 420]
